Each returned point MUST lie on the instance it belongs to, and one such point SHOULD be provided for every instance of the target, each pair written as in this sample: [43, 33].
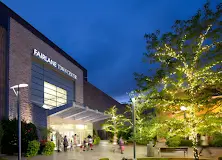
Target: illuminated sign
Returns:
[48, 60]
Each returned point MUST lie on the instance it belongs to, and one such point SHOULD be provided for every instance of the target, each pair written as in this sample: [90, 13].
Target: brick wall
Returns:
[3, 40]
[22, 43]
[96, 99]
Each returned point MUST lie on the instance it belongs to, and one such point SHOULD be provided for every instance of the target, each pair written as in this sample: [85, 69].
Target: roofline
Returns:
[29, 27]
[104, 92]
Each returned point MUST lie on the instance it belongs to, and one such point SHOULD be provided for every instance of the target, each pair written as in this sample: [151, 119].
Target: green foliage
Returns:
[44, 132]
[125, 135]
[95, 133]
[173, 141]
[104, 159]
[3, 158]
[48, 149]
[178, 141]
[217, 140]
[96, 140]
[116, 122]
[33, 148]
[9, 139]
[188, 73]
[187, 143]
[142, 141]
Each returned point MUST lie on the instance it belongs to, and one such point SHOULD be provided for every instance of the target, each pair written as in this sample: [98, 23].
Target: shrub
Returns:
[187, 143]
[9, 139]
[42, 146]
[142, 141]
[125, 135]
[33, 148]
[48, 148]
[217, 140]
[3, 158]
[96, 140]
[104, 159]
[173, 141]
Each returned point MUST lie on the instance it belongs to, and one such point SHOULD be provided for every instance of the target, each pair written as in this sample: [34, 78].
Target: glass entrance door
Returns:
[80, 136]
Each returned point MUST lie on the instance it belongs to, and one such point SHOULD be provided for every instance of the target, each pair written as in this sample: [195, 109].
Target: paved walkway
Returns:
[104, 150]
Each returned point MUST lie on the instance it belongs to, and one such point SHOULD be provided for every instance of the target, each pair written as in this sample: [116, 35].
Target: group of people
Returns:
[86, 144]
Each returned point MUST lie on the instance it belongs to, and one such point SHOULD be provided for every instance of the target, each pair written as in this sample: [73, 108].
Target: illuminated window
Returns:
[54, 96]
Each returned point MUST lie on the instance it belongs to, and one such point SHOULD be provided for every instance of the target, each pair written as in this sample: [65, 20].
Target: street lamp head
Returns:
[133, 100]
[114, 117]
[183, 108]
[19, 86]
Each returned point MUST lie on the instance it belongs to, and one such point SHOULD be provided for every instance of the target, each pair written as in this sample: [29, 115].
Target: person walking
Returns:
[121, 144]
[65, 143]
[84, 144]
[204, 144]
[90, 142]
[75, 140]
[71, 146]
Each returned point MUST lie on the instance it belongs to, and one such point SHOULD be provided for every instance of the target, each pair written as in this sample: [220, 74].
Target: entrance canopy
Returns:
[77, 112]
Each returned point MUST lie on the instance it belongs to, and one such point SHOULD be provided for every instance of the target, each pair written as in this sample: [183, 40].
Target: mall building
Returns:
[58, 93]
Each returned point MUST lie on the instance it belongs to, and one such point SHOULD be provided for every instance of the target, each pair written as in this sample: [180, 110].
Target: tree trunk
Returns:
[195, 149]
[195, 152]
[115, 139]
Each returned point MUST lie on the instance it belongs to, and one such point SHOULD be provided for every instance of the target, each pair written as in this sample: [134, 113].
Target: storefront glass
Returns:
[69, 130]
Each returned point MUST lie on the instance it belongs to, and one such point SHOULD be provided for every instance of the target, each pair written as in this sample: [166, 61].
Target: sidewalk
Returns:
[104, 150]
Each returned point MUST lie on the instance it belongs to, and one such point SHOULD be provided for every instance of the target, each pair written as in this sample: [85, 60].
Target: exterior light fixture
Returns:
[183, 108]
[133, 99]
[17, 87]
[16, 91]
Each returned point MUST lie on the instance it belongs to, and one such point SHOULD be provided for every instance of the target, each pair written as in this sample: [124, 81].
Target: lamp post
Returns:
[19, 115]
[134, 129]
[183, 108]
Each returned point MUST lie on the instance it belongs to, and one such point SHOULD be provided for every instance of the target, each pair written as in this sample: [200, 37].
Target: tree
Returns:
[143, 123]
[116, 123]
[189, 74]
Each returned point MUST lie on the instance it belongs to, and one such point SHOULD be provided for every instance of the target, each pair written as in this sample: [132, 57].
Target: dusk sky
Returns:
[105, 36]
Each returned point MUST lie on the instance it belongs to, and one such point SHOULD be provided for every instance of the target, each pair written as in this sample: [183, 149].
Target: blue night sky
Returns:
[105, 36]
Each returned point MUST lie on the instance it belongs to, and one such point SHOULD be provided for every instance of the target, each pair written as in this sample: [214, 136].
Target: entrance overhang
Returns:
[77, 112]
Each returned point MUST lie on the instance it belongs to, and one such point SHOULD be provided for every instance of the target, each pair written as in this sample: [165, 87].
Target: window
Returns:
[54, 96]
[74, 91]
